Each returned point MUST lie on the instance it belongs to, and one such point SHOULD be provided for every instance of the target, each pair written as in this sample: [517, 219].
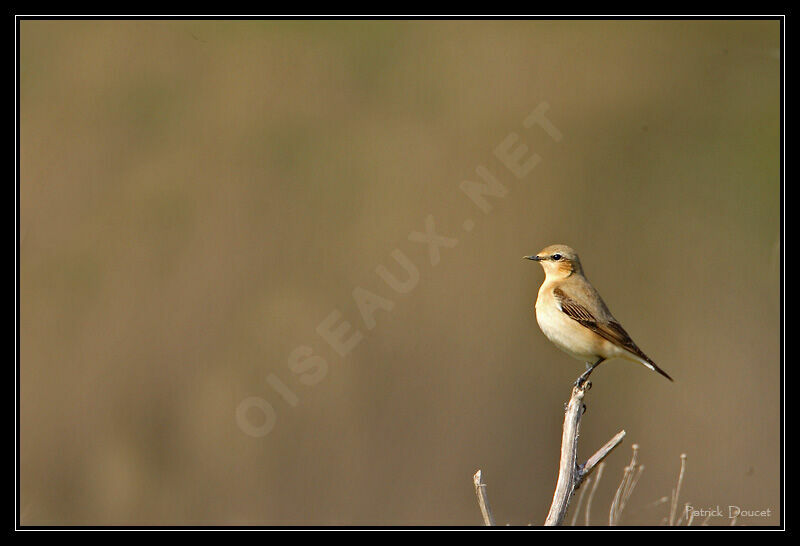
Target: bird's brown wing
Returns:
[610, 330]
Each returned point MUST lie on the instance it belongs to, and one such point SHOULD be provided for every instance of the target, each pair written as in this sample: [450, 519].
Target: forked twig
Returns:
[570, 475]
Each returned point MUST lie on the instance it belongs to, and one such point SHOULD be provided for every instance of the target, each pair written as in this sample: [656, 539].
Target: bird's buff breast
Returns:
[565, 333]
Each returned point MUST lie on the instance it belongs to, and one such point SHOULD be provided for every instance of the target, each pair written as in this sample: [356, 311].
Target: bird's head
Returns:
[558, 261]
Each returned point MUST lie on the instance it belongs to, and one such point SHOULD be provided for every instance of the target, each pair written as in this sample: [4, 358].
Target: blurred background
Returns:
[196, 197]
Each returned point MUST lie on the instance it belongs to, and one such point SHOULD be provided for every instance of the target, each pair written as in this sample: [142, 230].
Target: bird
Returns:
[574, 317]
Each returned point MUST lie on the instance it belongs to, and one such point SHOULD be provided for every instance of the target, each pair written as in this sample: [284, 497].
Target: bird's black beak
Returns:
[534, 258]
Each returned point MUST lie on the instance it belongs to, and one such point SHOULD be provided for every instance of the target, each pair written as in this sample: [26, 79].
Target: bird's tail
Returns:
[652, 365]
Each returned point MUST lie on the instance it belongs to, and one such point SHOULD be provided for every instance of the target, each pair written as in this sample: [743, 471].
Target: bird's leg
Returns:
[585, 375]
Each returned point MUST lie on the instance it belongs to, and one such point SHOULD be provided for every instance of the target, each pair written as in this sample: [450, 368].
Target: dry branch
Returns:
[570, 475]
[483, 499]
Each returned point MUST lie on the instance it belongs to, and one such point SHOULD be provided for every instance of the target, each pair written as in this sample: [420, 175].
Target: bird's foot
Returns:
[583, 382]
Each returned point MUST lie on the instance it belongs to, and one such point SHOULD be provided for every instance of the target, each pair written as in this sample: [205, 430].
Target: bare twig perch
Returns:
[483, 499]
[570, 475]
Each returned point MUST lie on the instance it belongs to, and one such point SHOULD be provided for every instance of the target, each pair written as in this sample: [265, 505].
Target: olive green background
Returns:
[197, 196]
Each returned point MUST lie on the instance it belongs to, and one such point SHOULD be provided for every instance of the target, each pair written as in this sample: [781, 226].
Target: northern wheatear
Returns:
[574, 317]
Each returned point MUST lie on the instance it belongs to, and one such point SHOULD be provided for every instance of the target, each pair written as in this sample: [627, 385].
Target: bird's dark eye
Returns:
[556, 257]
